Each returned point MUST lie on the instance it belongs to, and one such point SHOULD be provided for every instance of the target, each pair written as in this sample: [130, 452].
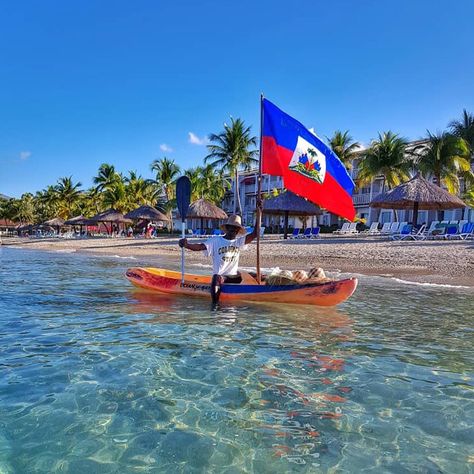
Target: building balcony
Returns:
[361, 199]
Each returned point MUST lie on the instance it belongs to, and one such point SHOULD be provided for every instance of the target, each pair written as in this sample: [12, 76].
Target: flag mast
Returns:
[259, 193]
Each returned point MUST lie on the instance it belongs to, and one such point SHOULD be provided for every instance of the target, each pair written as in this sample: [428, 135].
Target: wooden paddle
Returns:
[183, 198]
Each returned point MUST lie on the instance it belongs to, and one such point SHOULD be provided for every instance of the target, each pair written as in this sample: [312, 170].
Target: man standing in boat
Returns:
[225, 252]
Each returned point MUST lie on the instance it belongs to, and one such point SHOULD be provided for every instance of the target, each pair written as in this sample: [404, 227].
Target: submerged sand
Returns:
[441, 262]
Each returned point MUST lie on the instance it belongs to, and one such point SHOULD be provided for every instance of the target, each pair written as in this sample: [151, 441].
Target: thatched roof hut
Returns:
[78, 220]
[111, 215]
[55, 222]
[288, 203]
[205, 209]
[148, 213]
[419, 194]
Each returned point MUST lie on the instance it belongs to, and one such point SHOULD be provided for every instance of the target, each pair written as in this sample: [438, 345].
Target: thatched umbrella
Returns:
[112, 216]
[203, 209]
[417, 194]
[147, 213]
[55, 222]
[288, 203]
[80, 221]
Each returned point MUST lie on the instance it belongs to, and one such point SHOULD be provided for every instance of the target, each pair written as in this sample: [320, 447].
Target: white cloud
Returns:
[166, 148]
[24, 155]
[195, 140]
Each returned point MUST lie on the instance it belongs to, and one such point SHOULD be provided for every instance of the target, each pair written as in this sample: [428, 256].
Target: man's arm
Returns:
[256, 229]
[196, 247]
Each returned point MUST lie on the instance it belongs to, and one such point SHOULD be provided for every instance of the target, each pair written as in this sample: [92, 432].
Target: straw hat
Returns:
[235, 221]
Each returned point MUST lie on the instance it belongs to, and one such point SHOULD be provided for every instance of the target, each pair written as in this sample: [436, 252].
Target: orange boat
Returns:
[166, 281]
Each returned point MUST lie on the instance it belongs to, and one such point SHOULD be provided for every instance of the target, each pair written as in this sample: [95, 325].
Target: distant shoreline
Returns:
[445, 263]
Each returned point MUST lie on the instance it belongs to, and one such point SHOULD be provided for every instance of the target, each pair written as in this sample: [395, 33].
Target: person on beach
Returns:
[225, 252]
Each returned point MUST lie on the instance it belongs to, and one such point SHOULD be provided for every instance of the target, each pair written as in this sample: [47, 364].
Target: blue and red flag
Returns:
[308, 166]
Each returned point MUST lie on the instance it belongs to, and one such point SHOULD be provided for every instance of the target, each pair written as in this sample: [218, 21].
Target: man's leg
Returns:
[216, 283]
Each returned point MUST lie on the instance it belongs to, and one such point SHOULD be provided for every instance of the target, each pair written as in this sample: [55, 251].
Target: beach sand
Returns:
[437, 262]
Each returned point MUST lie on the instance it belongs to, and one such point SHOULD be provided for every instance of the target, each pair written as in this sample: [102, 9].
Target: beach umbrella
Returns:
[288, 203]
[55, 222]
[204, 209]
[417, 194]
[112, 216]
[78, 220]
[147, 213]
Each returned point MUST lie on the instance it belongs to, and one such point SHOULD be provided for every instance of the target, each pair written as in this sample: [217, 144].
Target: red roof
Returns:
[7, 223]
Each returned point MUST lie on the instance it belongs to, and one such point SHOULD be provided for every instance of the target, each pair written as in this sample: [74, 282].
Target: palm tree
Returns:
[24, 209]
[464, 128]
[167, 172]
[106, 177]
[207, 183]
[46, 203]
[67, 196]
[445, 157]
[385, 157]
[115, 197]
[195, 176]
[468, 197]
[344, 146]
[139, 191]
[231, 151]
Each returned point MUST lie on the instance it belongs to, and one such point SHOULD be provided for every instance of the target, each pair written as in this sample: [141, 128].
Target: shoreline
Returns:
[431, 262]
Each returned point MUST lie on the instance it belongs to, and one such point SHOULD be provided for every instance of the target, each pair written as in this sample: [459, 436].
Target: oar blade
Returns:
[183, 195]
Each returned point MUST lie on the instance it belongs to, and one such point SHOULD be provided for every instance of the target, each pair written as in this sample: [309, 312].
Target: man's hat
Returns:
[235, 221]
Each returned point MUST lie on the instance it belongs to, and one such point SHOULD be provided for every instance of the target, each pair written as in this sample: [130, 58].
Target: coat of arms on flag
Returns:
[308, 161]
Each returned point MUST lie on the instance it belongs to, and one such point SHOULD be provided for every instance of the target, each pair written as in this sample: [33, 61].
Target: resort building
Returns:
[361, 198]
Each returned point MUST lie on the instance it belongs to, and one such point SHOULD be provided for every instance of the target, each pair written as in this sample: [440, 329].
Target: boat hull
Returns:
[167, 281]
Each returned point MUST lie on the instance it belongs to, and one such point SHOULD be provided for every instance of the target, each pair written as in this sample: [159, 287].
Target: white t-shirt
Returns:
[225, 254]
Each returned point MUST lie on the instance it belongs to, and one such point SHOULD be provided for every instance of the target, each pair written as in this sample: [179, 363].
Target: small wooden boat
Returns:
[166, 281]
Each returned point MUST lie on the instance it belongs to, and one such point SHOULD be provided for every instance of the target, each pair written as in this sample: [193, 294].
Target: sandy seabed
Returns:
[440, 262]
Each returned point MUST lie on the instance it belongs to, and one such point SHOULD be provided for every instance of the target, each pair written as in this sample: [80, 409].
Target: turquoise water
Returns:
[97, 377]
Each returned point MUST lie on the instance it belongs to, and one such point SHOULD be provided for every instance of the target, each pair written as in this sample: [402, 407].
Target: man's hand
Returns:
[183, 242]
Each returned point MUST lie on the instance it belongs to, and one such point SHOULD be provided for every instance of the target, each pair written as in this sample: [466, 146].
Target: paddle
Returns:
[183, 198]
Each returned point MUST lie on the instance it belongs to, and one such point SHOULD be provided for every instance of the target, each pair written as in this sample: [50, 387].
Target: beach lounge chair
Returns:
[419, 235]
[343, 229]
[461, 225]
[196, 232]
[439, 231]
[386, 228]
[394, 228]
[404, 232]
[451, 231]
[295, 234]
[467, 232]
[352, 228]
[373, 230]
[315, 233]
[306, 234]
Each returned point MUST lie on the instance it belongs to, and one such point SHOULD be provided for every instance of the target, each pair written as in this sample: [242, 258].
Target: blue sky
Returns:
[86, 82]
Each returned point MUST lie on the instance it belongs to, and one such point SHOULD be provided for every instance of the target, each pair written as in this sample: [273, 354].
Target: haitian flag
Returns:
[309, 167]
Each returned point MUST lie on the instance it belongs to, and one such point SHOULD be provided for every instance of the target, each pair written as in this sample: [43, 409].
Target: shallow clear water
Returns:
[98, 377]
